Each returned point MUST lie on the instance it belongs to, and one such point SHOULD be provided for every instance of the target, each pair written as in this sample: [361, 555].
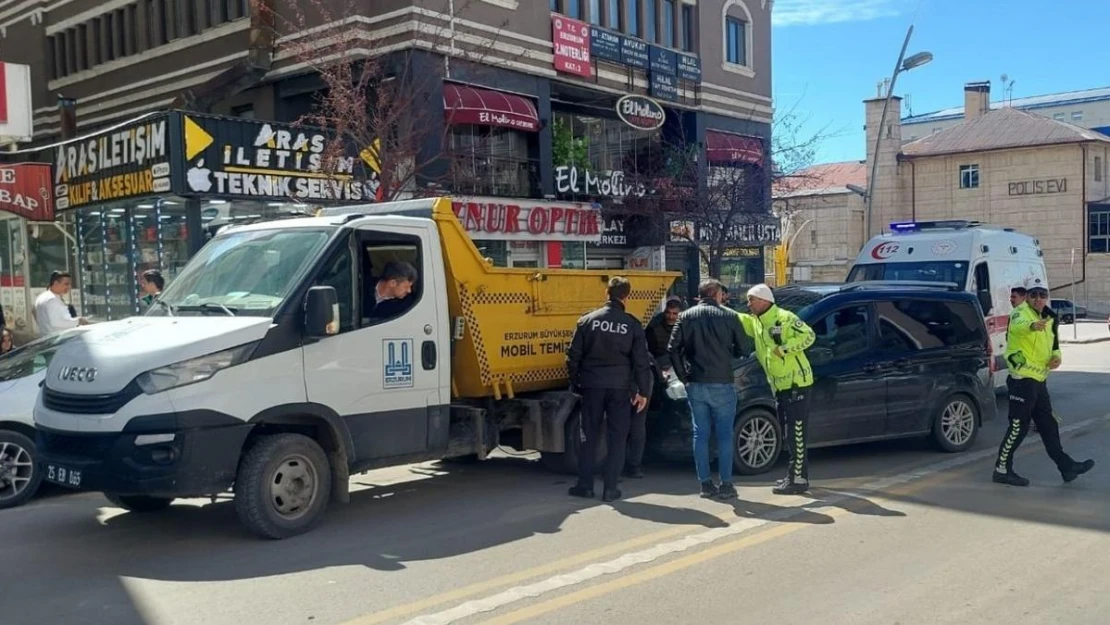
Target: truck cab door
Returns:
[382, 372]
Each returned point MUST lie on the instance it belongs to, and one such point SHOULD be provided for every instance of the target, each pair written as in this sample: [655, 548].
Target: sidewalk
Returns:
[1086, 331]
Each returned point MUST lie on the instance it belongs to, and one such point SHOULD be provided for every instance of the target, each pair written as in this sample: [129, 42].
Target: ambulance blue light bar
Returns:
[905, 227]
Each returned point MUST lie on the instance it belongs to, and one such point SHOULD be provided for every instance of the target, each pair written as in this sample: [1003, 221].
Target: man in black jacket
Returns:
[703, 345]
[608, 363]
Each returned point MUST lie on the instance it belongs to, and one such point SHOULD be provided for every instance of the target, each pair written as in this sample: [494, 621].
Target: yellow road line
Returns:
[667, 568]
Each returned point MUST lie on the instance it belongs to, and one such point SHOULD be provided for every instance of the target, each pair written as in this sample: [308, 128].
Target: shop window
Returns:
[492, 161]
[574, 255]
[605, 145]
[736, 46]
[969, 176]
[688, 27]
[496, 252]
[1098, 230]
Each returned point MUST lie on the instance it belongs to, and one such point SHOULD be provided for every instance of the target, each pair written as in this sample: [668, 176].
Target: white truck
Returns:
[985, 260]
[265, 368]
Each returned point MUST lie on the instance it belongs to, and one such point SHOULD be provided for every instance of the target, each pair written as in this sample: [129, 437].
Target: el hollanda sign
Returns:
[641, 112]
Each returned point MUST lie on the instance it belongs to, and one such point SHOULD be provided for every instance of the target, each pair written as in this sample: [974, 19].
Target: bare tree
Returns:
[375, 90]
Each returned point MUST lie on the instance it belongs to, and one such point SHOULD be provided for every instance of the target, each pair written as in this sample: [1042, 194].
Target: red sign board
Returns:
[26, 189]
[501, 220]
[3, 94]
[572, 46]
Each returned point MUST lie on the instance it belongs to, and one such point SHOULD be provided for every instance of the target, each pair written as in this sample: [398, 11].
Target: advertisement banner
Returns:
[501, 219]
[27, 190]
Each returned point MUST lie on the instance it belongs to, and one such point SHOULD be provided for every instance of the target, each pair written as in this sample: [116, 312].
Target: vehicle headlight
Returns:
[194, 370]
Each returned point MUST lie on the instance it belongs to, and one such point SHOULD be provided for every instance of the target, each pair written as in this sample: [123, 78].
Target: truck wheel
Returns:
[567, 462]
[19, 475]
[139, 503]
[758, 440]
[283, 486]
[956, 424]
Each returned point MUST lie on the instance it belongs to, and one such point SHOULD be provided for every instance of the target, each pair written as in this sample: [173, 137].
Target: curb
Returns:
[1101, 339]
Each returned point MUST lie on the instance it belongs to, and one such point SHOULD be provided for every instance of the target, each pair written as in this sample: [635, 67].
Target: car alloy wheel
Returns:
[957, 424]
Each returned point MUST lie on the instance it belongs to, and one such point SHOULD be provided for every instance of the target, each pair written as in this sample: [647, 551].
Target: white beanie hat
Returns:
[763, 292]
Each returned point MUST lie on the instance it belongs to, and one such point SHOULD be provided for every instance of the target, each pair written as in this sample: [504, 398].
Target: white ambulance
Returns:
[985, 260]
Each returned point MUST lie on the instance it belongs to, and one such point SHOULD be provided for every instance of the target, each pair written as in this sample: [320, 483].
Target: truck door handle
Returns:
[428, 355]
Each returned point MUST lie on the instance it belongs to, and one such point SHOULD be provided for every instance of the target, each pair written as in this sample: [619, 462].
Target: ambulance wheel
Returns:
[283, 486]
[139, 503]
[956, 424]
[567, 462]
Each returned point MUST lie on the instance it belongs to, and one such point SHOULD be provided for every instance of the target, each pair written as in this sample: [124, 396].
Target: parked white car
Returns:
[21, 374]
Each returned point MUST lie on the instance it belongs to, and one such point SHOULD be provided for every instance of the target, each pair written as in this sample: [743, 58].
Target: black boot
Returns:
[1010, 478]
[635, 473]
[610, 494]
[1077, 469]
[580, 490]
[789, 486]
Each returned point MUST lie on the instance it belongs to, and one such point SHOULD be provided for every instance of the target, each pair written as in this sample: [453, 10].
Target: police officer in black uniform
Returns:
[609, 365]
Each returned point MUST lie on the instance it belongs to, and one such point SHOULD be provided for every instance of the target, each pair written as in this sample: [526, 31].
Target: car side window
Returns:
[915, 325]
[840, 335]
[338, 274]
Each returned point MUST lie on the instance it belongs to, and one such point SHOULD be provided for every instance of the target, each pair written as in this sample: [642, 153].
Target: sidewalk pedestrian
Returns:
[1031, 353]
[608, 363]
[705, 341]
[51, 313]
[781, 339]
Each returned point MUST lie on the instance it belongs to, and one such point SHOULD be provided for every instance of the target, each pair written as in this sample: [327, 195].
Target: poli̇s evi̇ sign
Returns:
[243, 158]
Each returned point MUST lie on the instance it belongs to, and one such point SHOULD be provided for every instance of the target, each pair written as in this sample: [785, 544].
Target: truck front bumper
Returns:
[185, 463]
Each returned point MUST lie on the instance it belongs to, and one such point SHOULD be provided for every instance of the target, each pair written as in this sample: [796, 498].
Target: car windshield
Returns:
[32, 357]
[243, 273]
[929, 271]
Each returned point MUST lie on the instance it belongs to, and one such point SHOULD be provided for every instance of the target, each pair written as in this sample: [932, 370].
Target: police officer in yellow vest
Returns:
[781, 339]
[1031, 352]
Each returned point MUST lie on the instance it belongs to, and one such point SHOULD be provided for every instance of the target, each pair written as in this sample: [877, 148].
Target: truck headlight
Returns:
[194, 370]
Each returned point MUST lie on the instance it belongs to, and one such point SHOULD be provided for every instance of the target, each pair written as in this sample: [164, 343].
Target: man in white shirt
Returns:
[51, 313]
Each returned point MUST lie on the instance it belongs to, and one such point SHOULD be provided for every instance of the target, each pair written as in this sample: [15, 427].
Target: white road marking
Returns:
[629, 560]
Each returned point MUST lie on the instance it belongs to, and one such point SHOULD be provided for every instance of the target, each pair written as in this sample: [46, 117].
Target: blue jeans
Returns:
[712, 406]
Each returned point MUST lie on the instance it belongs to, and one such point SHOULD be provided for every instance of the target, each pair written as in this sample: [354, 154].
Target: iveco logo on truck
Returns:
[77, 374]
[641, 112]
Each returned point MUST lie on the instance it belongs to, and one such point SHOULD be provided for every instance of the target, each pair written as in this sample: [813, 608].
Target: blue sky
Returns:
[829, 55]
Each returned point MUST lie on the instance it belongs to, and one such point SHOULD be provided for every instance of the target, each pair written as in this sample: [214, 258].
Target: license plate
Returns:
[63, 475]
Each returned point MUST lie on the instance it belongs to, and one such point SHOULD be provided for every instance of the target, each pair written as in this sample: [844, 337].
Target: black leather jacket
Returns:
[609, 350]
[704, 343]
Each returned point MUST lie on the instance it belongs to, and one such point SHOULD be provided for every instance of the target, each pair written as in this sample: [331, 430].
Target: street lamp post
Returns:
[903, 65]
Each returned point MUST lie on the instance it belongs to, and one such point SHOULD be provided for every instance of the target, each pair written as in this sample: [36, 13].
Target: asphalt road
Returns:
[896, 533]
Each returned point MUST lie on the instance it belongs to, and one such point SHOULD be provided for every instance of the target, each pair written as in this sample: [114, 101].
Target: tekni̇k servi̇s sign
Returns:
[266, 160]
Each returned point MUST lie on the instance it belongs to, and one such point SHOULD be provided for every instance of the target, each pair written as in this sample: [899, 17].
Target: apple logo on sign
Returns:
[198, 178]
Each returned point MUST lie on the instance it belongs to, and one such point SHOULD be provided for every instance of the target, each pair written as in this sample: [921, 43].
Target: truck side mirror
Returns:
[321, 310]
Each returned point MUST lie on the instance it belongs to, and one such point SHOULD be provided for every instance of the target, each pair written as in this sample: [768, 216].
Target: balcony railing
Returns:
[497, 176]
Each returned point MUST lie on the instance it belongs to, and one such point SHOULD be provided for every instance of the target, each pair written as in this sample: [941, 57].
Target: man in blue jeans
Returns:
[705, 341]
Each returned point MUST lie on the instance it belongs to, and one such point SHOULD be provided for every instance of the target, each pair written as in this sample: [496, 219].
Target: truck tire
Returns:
[283, 486]
[139, 503]
[20, 475]
[567, 462]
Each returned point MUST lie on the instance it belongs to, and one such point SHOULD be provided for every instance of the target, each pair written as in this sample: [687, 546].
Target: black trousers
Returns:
[613, 409]
[1029, 401]
[637, 438]
[793, 411]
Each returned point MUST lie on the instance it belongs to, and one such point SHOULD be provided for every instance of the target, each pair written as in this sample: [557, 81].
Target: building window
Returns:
[595, 12]
[574, 9]
[554, 6]
[688, 27]
[668, 23]
[736, 47]
[1077, 116]
[651, 21]
[1098, 169]
[1098, 229]
[969, 176]
[613, 19]
[633, 18]
[1058, 117]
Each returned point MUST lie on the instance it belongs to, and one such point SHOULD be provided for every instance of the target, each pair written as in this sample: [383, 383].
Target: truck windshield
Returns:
[243, 273]
[931, 271]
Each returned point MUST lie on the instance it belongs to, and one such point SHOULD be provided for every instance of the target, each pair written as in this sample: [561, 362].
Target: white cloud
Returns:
[812, 12]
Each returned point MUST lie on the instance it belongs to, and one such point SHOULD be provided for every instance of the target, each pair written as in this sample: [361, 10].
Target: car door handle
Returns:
[428, 355]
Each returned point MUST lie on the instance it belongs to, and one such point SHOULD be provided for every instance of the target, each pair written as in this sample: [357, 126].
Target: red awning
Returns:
[27, 190]
[483, 107]
[725, 148]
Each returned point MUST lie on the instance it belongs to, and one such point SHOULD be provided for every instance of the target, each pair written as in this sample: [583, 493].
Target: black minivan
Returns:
[891, 360]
